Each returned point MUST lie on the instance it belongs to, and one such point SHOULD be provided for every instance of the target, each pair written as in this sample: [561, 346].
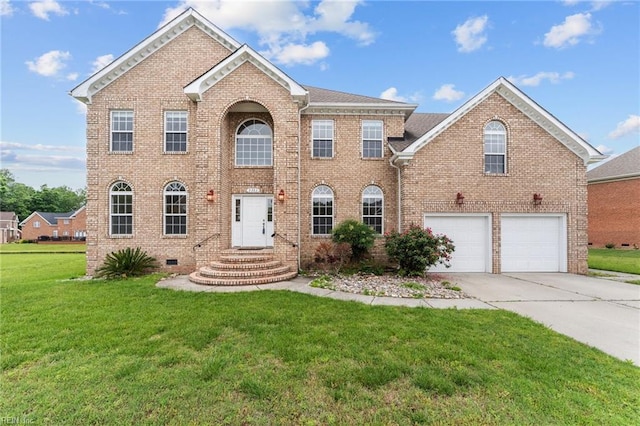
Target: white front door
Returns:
[252, 221]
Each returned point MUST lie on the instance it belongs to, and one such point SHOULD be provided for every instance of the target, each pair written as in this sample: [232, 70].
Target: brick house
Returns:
[614, 201]
[9, 231]
[227, 152]
[70, 226]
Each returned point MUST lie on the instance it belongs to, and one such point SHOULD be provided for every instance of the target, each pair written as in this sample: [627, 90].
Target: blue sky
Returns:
[579, 60]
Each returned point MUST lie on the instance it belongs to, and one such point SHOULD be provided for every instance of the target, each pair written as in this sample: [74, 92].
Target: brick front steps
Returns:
[243, 267]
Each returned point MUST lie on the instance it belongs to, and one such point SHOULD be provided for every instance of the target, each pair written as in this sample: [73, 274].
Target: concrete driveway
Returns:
[599, 312]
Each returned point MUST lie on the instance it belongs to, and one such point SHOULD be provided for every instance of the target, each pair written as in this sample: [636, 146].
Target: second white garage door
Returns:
[472, 239]
[533, 243]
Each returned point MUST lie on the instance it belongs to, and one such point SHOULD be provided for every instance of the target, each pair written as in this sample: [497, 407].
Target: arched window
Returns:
[495, 148]
[254, 144]
[121, 209]
[372, 208]
[175, 209]
[322, 210]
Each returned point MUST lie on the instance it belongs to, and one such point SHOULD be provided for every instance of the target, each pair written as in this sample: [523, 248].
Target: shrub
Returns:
[358, 235]
[417, 249]
[126, 263]
[610, 245]
[329, 254]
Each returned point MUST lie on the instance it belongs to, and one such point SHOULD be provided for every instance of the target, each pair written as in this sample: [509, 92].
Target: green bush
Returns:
[417, 249]
[358, 235]
[126, 263]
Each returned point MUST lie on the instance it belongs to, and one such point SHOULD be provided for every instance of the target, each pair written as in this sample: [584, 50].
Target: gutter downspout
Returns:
[399, 193]
[299, 165]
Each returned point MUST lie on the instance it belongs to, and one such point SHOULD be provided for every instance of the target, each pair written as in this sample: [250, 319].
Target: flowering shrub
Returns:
[417, 249]
[358, 235]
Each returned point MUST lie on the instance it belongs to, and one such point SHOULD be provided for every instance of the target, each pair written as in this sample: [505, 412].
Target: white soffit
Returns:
[146, 48]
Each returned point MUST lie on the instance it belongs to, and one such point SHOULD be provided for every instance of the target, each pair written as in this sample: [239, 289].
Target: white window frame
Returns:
[492, 133]
[373, 192]
[36, 224]
[322, 131]
[244, 124]
[372, 132]
[175, 189]
[120, 189]
[322, 192]
[176, 122]
[121, 123]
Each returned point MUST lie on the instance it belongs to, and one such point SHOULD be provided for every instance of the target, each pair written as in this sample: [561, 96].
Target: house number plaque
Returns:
[253, 190]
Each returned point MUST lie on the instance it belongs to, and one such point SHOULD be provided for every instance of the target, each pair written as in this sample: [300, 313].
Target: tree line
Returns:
[24, 200]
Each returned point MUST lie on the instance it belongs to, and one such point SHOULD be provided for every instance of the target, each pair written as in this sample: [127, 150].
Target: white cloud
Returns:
[6, 9]
[391, 94]
[627, 127]
[471, 35]
[101, 62]
[595, 5]
[284, 27]
[448, 93]
[42, 9]
[39, 147]
[604, 149]
[43, 156]
[50, 64]
[570, 32]
[535, 80]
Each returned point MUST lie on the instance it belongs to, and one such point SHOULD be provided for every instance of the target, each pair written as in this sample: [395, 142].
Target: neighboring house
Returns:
[227, 151]
[55, 226]
[9, 231]
[614, 201]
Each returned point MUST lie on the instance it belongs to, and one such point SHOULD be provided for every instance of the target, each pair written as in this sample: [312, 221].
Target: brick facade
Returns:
[247, 89]
[614, 216]
[63, 226]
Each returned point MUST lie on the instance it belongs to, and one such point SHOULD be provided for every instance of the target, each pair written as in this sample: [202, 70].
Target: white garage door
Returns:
[533, 243]
[471, 237]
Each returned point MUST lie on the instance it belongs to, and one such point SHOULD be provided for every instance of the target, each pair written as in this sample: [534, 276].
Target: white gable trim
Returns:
[196, 89]
[527, 106]
[146, 48]
[34, 214]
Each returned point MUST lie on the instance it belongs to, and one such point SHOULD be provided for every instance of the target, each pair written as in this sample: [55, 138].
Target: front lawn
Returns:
[43, 248]
[126, 352]
[615, 260]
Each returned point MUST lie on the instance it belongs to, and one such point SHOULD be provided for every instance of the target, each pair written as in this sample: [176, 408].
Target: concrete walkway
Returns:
[602, 312]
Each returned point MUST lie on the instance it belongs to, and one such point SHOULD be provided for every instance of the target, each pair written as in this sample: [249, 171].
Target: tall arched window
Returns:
[175, 209]
[121, 209]
[372, 208]
[322, 210]
[495, 148]
[254, 144]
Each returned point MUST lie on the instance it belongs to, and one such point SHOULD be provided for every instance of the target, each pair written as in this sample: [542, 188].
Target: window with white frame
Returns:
[175, 209]
[122, 131]
[495, 148]
[372, 208]
[322, 210]
[175, 131]
[322, 139]
[372, 139]
[121, 209]
[36, 224]
[254, 144]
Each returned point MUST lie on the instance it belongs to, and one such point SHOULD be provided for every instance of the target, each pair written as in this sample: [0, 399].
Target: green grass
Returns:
[126, 352]
[42, 248]
[615, 260]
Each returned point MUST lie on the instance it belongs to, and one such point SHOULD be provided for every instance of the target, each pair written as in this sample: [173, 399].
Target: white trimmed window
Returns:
[322, 210]
[495, 148]
[121, 209]
[322, 139]
[175, 209]
[175, 131]
[372, 208]
[254, 144]
[122, 131]
[36, 224]
[372, 139]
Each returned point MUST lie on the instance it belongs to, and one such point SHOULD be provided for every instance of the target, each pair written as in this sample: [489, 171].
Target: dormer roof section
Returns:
[522, 102]
[189, 18]
[196, 89]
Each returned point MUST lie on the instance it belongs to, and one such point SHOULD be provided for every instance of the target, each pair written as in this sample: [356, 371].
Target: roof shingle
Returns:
[624, 165]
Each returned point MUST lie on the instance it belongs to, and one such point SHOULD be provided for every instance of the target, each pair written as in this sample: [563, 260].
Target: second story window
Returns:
[254, 144]
[175, 131]
[122, 131]
[322, 139]
[372, 139]
[495, 148]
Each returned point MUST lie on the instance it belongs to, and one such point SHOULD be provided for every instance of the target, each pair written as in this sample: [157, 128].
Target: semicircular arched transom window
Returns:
[254, 144]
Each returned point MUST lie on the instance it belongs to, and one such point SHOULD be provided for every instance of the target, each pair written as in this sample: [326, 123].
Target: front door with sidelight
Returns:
[252, 221]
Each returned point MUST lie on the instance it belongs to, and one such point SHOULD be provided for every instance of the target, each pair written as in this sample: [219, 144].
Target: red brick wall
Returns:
[614, 213]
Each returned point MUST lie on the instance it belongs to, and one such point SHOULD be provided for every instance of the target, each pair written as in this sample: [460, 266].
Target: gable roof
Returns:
[52, 218]
[416, 125]
[522, 102]
[187, 19]
[325, 101]
[196, 88]
[624, 166]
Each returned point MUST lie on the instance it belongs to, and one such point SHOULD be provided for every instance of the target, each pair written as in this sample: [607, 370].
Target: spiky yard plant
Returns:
[125, 263]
